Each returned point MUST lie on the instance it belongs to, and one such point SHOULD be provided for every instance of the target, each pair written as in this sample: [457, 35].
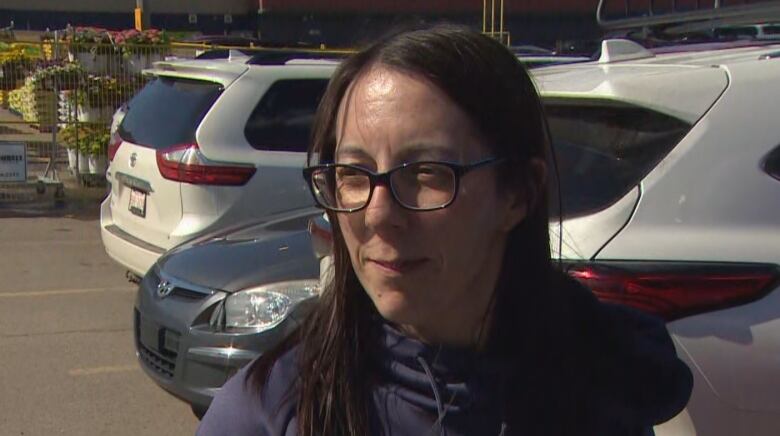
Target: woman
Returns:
[445, 314]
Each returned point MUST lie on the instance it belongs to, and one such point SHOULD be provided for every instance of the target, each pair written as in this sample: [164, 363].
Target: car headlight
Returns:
[265, 307]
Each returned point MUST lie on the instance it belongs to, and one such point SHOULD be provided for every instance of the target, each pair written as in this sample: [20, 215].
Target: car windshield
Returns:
[604, 148]
[167, 112]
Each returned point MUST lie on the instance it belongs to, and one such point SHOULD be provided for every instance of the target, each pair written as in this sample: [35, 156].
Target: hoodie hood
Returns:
[624, 360]
[611, 371]
[464, 380]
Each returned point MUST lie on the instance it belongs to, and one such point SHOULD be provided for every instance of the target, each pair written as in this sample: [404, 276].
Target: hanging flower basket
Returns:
[92, 62]
[92, 48]
[141, 49]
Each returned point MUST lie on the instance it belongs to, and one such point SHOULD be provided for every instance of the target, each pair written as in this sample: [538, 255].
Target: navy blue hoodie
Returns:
[625, 359]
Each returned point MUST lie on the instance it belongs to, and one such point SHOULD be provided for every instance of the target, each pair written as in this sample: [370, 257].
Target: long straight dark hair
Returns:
[490, 85]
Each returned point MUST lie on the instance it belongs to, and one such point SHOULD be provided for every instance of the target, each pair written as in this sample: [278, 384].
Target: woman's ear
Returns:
[523, 200]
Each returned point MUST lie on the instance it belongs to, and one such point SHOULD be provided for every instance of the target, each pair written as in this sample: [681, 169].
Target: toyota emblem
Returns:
[133, 158]
[164, 289]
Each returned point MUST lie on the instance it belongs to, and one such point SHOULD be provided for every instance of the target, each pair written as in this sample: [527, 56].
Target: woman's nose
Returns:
[383, 210]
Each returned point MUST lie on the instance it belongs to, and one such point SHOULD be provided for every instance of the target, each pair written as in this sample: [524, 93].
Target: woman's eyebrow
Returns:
[350, 150]
[417, 151]
[406, 153]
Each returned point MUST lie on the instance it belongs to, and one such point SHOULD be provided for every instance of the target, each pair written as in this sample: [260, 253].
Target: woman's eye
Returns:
[425, 170]
[347, 172]
[350, 175]
[428, 171]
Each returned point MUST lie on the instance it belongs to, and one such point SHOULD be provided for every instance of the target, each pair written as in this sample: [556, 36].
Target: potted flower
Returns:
[48, 78]
[91, 47]
[16, 60]
[83, 156]
[75, 138]
[141, 48]
[97, 98]
[98, 150]
[67, 138]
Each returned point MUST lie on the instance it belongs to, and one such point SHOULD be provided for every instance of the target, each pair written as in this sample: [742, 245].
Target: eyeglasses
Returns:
[417, 186]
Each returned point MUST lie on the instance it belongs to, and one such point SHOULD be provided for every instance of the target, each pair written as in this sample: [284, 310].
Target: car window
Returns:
[772, 29]
[282, 119]
[603, 149]
[168, 111]
[736, 32]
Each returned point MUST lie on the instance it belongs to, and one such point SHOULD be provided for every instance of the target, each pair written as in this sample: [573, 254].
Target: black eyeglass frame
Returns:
[374, 179]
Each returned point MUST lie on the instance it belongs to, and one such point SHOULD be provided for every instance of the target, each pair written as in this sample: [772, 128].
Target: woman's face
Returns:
[430, 272]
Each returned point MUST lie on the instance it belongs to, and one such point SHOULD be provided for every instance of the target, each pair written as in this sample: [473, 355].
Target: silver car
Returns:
[210, 306]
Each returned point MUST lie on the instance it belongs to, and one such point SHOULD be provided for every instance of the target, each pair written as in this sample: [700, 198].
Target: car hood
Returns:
[251, 255]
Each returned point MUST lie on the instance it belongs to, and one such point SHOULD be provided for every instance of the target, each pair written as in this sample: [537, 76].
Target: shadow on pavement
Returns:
[82, 203]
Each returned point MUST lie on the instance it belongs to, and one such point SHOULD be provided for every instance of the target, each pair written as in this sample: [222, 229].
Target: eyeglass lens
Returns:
[417, 186]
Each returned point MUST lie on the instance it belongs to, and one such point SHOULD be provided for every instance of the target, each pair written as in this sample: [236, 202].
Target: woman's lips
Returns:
[398, 267]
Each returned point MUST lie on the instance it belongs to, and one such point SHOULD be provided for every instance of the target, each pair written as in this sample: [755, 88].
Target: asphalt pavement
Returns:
[67, 362]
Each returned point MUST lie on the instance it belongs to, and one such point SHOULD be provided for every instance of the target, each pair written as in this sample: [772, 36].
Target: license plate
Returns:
[138, 202]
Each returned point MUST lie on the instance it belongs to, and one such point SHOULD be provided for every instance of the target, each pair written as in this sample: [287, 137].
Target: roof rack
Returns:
[722, 15]
[281, 57]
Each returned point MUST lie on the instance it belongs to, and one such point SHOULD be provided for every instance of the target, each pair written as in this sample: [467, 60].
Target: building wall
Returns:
[471, 6]
[427, 6]
[118, 6]
[118, 14]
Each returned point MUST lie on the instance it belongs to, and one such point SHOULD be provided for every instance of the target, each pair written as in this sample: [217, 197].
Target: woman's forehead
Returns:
[402, 113]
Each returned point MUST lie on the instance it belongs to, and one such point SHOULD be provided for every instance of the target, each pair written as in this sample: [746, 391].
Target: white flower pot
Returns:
[97, 164]
[89, 114]
[72, 156]
[93, 62]
[137, 62]
[83, 162]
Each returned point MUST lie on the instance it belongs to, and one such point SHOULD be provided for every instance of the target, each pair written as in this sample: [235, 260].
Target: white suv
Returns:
[670, 178]
[207, 144]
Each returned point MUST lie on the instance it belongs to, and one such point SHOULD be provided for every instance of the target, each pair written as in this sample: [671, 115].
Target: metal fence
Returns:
[57, 99]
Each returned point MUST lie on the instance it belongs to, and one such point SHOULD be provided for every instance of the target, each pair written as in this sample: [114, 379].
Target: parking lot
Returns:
[68, 363]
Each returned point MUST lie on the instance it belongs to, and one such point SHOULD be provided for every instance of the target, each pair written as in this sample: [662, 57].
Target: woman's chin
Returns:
[394, 307]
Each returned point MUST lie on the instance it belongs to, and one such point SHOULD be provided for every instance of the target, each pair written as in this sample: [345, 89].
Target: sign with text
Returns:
[13, 162]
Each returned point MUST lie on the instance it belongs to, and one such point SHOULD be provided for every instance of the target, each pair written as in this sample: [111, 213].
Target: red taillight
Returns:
[185, 163]
[113, 146]
[673, 290]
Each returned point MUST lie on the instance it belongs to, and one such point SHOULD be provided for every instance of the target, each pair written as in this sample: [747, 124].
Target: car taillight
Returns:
[185, 163]
[673, 290]
[113, 146]
[321, 237]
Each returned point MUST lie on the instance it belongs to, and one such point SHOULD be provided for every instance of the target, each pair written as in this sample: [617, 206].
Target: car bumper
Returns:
[182, 353]
[132, 253]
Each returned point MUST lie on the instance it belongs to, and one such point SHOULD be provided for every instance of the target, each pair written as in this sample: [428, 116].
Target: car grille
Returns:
[156, 362]
[164, 361]
[178, 287]
[188, 293]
